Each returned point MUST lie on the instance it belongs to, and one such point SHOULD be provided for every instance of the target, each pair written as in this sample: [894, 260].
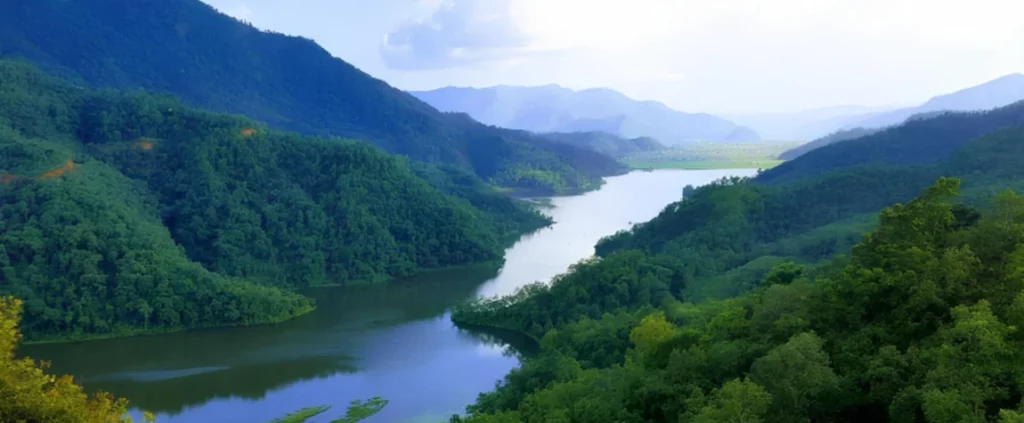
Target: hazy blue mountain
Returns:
[805, 124]
[552, 108]
[995, 93]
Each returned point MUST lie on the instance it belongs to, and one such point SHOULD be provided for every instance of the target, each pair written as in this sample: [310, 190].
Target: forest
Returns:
[127, 212]
[215, 62]
[866, 289]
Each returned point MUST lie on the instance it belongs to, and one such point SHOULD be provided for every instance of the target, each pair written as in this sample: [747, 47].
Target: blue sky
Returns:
[694, 55]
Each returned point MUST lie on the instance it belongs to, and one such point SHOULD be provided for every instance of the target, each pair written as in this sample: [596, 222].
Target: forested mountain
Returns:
[605, 143]
[213, 61]
[995, 93]
[738, 304]
[552, 108]
[123, 212]
[915, 142]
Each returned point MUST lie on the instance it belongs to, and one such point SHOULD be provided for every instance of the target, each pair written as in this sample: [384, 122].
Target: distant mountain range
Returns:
[998, 92]
[806, 124]
[995, 93]
[816, 124]
[552, 108]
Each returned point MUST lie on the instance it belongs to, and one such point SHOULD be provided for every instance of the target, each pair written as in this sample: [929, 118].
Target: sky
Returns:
[714, 56]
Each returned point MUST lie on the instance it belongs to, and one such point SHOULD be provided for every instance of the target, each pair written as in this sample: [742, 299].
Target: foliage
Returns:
[606, 143]
[213, 61]
[919, 324]
[125, 213]
[30, 394]
[918, 141]
[357, 411]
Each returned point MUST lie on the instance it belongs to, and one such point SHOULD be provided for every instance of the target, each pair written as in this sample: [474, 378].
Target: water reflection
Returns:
[393, 340]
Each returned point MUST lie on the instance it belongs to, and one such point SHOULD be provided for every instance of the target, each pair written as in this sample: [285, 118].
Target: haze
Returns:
[710, 56]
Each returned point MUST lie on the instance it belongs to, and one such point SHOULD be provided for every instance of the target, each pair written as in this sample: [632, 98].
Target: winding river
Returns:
[391, 340]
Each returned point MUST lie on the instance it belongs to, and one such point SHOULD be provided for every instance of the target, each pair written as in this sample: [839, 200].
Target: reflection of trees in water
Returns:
[172, 396]
[513, 344]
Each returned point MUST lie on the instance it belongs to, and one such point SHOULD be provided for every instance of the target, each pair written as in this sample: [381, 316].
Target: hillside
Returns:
[917, 141]
[605, 143]
[841, 135]
[128, 212]
[552, 108]
[739, 303]
[215, 62]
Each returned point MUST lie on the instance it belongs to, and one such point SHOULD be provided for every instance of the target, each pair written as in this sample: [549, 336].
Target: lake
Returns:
[391, 340]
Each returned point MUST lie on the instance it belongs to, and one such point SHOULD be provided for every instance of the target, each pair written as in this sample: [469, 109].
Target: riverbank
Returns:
[128, 332]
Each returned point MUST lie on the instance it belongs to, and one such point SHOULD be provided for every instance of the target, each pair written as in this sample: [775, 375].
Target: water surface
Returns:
[392, 340]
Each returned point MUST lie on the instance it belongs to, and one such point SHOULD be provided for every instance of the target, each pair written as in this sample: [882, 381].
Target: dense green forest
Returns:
[126, 212]
[215, 62]
[762, 299]
[918, 141]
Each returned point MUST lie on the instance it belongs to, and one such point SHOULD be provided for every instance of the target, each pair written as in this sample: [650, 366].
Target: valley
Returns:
[510, 211]
[392, 340]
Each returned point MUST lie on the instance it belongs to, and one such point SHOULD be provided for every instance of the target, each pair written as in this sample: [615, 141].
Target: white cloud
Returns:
[696, 55]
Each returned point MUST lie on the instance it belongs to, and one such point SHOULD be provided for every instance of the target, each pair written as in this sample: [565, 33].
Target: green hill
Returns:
[788, 301]
[917, 141]
[215, 62]
[131, 212]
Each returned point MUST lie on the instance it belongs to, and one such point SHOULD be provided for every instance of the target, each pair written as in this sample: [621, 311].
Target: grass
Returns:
[712, 155]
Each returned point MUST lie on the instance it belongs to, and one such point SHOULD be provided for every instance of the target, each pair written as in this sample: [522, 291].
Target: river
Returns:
[391, 340]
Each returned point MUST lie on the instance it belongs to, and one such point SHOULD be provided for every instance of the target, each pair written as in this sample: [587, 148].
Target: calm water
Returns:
[393, 340]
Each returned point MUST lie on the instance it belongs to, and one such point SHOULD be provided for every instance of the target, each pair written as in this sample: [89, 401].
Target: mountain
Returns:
[840, 135]
[852, 286]
[995, 93]
[213, 61]
[131, 212]
[916, 141]
[806, 124]
[552, 108]
[605, 143]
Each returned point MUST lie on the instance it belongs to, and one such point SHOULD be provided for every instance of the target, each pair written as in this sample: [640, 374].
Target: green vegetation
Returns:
[918, 141]
[711, 156]
[357, 411]
[838, 136]
[31, 395]
[131, 213]
[917, 325]
[215, 62]
[754, 301]
[606, 143]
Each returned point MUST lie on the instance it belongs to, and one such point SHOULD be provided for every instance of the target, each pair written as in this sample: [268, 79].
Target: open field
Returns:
[712, 156]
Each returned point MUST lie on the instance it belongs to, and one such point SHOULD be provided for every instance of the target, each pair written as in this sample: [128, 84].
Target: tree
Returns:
[31, 395]
[797, 375]
[736, 402]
